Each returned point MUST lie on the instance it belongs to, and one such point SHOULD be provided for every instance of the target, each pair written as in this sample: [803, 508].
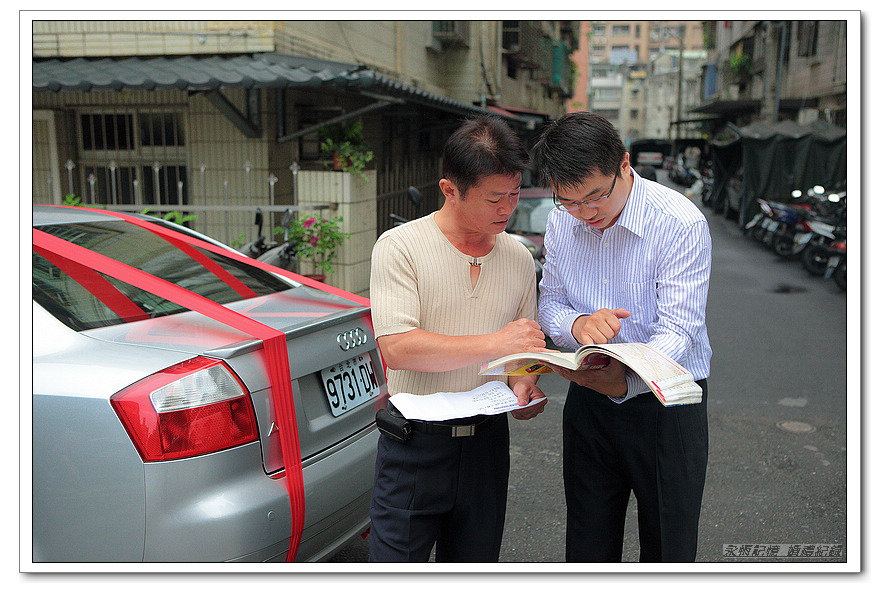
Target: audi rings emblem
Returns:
[351, 339]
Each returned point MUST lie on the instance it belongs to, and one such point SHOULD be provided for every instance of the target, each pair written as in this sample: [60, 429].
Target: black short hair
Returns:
[480, 147]
[575, 146]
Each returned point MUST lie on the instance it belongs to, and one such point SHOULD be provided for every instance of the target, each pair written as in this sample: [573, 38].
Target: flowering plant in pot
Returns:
[346, 145]
[316, 239]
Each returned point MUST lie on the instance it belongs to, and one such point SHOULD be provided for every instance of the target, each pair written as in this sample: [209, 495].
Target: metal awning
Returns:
[212, 73]
[729, 106]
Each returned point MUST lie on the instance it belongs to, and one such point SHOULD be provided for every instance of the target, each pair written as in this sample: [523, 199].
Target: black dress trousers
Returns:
[440, 489]
[659, 453]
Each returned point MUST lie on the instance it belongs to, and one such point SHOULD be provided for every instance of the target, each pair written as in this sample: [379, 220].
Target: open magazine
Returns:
[669, 381]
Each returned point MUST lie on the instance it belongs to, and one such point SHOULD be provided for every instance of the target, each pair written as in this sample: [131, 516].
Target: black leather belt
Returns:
[473, 426]
[459, 427]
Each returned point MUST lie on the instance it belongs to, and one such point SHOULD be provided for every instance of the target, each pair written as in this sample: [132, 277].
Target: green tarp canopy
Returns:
[777, 158]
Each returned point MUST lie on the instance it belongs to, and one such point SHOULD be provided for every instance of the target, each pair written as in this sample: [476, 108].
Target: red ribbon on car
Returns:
[274, 341]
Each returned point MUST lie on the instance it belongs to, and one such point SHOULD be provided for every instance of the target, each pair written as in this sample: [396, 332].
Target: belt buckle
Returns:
[467, 430]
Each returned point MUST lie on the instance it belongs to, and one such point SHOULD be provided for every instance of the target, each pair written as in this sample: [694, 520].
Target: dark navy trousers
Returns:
[440, 489]
[658, 453]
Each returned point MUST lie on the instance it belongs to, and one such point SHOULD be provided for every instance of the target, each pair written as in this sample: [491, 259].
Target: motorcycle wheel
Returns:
[706, 195]
[815, 260]
[839, 275]
[783, 245]
[757, 233]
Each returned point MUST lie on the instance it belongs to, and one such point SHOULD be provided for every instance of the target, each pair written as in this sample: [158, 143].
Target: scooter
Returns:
[827, 214]
[398, 220]
[683, 175]
[415, 198]
[283, 255]
[817, 252]
[836, 268]
[258, 246]
[762, 225]
[792, 221]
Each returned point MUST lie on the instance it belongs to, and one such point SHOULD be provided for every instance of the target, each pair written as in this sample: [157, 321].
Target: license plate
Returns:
[350, 383]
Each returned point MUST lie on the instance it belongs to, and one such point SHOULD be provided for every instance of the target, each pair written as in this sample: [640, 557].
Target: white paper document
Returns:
[490, 398]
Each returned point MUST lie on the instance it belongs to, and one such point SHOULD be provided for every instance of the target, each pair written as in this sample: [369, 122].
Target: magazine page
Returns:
[670, 382]
[650, 364]
[529, 363]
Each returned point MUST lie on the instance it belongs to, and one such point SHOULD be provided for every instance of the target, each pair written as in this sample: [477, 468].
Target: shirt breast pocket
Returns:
[641, 302]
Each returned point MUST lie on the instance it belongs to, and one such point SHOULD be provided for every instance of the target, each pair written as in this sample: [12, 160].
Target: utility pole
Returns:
[678, 33]
[777, 88]
[680, 80]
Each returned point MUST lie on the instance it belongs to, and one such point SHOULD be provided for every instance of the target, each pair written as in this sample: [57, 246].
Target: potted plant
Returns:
[346, 145]
[316, 241]
[741, 66]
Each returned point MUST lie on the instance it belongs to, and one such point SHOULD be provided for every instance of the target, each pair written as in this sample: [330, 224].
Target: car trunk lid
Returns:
[323, 333]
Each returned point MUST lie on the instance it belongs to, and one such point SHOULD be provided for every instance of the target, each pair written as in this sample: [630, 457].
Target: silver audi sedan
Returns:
[158, 430]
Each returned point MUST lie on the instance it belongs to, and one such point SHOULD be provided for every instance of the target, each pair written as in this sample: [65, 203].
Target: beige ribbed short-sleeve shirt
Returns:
[420, 280]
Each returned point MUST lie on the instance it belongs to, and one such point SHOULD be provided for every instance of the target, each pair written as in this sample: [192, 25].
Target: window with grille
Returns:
[132, 157]
[807, 38]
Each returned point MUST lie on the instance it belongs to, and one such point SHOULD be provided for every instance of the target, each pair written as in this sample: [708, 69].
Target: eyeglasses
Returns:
[572, 206]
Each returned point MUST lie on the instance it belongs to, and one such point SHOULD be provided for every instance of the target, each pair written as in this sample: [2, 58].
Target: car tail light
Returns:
[196, 407]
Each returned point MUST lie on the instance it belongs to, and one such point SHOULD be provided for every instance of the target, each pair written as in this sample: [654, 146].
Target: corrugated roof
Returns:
[206, 73]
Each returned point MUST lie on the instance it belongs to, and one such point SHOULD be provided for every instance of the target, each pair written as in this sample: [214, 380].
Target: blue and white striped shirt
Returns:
[654, 262]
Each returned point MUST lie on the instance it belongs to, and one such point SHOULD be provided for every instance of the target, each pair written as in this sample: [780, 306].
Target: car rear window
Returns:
[80, 309]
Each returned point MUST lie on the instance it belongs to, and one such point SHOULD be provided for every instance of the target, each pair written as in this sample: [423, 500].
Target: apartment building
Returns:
[777, 91]
[614, 74]
[776, 70]
[675, 78]
[200, 115]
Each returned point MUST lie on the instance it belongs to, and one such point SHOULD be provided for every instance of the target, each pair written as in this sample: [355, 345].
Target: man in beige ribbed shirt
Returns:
[448, 292]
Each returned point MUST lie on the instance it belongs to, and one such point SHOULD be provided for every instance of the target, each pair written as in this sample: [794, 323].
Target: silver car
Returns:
[155, 437]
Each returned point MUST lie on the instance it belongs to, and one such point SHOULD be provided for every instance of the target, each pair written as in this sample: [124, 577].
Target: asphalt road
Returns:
[777, 420]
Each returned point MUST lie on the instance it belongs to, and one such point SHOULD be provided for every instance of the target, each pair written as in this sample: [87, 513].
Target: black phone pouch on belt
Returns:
[393, 426]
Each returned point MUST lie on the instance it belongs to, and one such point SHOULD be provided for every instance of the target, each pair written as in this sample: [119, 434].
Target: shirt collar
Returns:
[632, 217]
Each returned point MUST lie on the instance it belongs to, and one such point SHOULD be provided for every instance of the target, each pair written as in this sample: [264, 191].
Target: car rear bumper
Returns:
[194, 517]
[347, 524]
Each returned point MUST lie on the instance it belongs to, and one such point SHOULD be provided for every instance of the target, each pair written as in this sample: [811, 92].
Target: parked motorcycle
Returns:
[398, 220]
[283, 255]
[783, 226]
[683, 175]
[708, 186]
[763, 224]
[827, 226]
[415, 198]
[815, 254]
[836, 268]
[792, 223]
[258, 246]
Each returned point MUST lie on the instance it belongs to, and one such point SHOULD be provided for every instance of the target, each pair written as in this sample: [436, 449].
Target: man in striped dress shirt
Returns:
[628, 260]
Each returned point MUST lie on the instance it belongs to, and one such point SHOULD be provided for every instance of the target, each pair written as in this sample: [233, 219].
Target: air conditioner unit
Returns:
[451, 33]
